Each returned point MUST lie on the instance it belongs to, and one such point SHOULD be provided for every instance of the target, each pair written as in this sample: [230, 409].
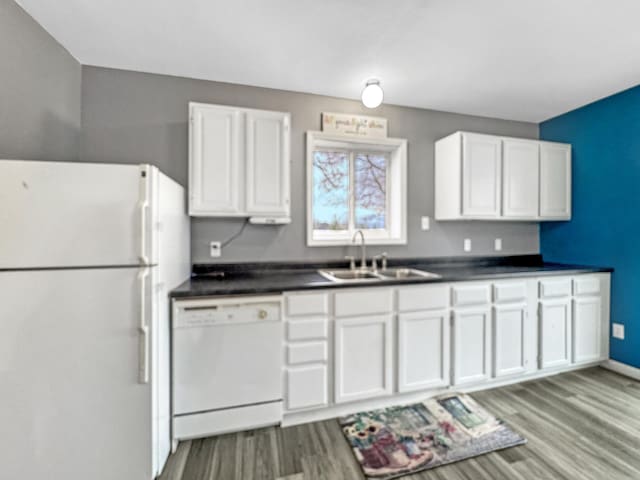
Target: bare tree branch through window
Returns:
[333, 208]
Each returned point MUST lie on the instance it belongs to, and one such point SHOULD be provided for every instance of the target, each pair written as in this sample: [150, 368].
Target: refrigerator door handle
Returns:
[144, 209]
[143, 205]
[143, 329]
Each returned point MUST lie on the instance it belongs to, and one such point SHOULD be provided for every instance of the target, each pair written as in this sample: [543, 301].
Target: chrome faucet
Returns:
[363, 262]
[374, 262]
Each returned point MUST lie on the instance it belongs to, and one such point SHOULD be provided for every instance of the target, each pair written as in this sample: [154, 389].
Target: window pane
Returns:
[330, 190]
[370, 190]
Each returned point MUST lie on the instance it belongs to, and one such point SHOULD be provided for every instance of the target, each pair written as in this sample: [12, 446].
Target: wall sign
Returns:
[355, 125]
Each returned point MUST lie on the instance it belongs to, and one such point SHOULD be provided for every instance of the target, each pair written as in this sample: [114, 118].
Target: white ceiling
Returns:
[515, 59]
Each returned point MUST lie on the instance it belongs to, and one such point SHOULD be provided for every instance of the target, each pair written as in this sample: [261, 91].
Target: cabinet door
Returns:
[555, 181]
[267, 153]
[520, 179]
[555, 333]
[587, 329]
[509, 345]
[423, 350]
[481, 172]
[215, 161]
[363, 357]
[307, 387]
[471, 345]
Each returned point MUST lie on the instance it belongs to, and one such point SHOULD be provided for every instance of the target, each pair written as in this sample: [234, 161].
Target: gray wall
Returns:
[40, 88]
[134, 117]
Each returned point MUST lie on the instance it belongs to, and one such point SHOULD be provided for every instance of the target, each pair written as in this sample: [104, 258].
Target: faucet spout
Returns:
[363, 261]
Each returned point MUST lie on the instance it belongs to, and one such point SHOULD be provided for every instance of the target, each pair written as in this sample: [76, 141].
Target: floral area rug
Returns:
[397, 441]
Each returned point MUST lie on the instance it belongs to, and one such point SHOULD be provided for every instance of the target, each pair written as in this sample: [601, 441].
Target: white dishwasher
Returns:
[226, 365]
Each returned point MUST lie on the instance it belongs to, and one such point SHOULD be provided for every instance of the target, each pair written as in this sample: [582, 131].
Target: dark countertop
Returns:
[259, 278]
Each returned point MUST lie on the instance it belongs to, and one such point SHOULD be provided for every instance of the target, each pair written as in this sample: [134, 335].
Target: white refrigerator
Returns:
[88, 254]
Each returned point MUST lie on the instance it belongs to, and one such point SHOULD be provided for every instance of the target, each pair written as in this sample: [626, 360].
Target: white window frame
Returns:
[396, 216]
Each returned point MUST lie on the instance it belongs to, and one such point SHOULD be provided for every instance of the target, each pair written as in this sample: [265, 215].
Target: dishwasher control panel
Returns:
[211, 312]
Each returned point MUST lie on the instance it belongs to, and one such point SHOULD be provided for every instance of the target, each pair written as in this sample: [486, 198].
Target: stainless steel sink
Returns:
[401, 273]
[348, 275]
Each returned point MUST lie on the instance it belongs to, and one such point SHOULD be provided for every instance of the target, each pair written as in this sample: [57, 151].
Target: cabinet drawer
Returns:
[364, 302]
[587, 285]
[307, 387]
[509, 292]
[307, 353]
[555, 288]
[307, 304]
[470, 295]
[423, 298]
[315, 328]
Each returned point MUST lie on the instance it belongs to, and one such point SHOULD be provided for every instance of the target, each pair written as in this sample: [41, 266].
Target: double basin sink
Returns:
[359, 275]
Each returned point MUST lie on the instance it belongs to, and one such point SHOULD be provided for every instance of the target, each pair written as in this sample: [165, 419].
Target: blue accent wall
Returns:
[605, 225]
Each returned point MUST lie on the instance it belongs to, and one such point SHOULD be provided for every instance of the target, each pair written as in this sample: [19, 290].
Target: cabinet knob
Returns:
[262, 314]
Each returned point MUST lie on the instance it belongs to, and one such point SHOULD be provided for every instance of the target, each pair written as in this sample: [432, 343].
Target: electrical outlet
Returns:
[618, 331]
[498, 244]
[424, 223]
[467, 244]
[215, 249]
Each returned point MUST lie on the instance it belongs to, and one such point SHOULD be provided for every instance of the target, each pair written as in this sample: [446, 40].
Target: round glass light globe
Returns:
[372, 94]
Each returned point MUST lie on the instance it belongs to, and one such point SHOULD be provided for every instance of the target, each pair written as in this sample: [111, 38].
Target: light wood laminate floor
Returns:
[580, 425]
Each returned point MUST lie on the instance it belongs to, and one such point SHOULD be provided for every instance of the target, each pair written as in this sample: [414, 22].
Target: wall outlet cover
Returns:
[618, 331]
[424, 223]
[215, 249]
[467, 244]
[498, 244]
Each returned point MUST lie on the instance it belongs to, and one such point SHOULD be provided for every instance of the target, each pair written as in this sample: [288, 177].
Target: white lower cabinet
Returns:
[509, 339]
[587, 327]
[307, 358]
[555, 332]
[307, 387]
[423, 350]
[363, 357]
[345, 348]
[471, 345]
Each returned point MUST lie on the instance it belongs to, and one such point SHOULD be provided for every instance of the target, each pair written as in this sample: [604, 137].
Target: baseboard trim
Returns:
[622, 369]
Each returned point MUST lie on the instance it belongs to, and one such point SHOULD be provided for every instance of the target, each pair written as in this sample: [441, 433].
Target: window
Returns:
[355, 184]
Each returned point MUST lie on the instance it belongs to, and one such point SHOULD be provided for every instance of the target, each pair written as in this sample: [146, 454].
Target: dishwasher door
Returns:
[226, 354]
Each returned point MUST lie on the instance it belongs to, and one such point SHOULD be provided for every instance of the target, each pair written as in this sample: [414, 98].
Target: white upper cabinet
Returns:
[238, 162]
[267, 153]
[555, 181]
[480, 176]
[520, 180]
[214, 161]
[488, 177]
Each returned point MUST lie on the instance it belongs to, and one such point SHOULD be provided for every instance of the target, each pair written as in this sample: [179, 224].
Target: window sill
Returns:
[345, 243]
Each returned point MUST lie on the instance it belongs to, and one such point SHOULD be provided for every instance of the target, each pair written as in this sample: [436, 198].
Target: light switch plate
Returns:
[467, 244]
[498, 244]
[424, 223]
[618, 331]
[215, 249]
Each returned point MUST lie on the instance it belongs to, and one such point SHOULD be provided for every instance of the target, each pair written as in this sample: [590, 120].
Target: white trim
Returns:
[396, 216]
[622, 369]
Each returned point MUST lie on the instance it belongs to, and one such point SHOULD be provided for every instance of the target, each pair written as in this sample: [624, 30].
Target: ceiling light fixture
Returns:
[372, 94]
